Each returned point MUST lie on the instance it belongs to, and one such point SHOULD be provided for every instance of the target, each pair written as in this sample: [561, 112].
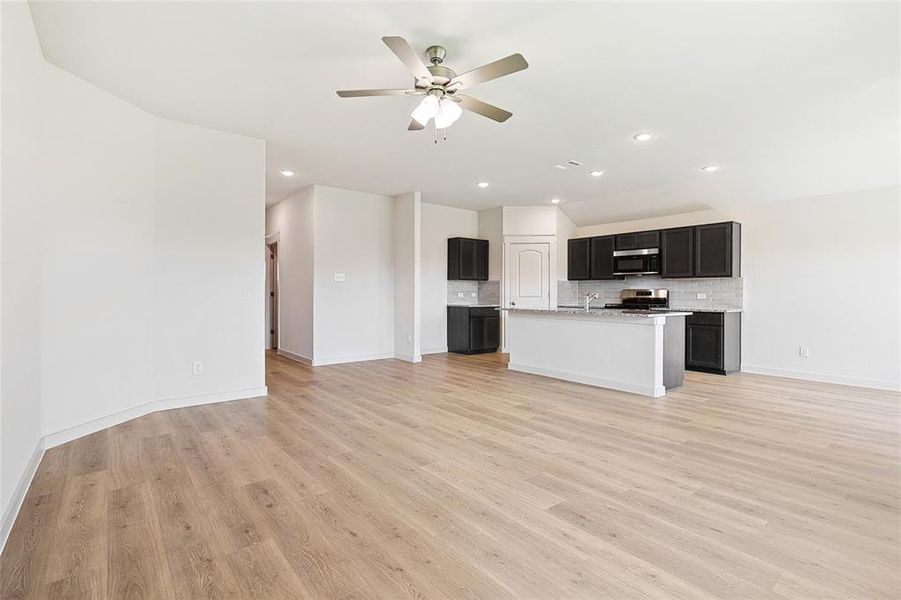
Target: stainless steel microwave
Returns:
[645, 261]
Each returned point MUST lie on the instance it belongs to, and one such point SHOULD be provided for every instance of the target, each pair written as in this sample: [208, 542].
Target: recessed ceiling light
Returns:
[596, 173]
[555, 200]
[560, 166]
[643, 136]
[482, 184]
[287, 173]
[710, 168]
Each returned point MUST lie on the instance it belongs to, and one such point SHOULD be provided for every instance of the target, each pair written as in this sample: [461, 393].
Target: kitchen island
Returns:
[642, 352]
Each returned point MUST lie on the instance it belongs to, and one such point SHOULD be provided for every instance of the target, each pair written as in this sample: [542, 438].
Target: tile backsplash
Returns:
[722, 292]
[474, 292]
[489, 292]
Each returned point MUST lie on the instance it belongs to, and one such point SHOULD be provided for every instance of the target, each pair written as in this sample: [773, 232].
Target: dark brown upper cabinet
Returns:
[677, 252]
[717, 250]
[601, 258]
[590, 258]
[467, 259]
[578, 259]
[712, 250]
[637, 240]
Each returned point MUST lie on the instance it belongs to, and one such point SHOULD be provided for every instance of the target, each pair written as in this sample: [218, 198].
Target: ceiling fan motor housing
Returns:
[436, 54]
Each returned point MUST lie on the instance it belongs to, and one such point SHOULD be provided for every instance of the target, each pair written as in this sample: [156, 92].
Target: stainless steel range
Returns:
[641, 299]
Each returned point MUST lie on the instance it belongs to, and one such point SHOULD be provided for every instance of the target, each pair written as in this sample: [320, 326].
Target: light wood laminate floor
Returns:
[456, 478]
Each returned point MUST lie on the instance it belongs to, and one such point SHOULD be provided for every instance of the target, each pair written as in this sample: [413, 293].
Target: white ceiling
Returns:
[790, 99]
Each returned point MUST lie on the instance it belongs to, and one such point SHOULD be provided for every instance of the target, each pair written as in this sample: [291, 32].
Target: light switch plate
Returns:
[340, 277]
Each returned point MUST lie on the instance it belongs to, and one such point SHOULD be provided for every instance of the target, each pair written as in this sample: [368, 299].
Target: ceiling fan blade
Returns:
[483, 108]
[493, 70]
[415, 125]
[364, 93]
[408, 56]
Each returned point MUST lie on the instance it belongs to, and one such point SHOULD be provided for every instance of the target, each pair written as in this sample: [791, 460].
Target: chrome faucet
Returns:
[589, 298]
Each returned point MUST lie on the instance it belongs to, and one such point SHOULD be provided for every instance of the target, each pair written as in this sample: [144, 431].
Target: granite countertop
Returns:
[611, 313]
[477, 305]
[708, 309]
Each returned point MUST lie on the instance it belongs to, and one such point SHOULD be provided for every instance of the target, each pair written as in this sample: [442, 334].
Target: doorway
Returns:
[272, 295]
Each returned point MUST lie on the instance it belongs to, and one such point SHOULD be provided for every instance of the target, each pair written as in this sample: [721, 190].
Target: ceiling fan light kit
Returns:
[443, 103]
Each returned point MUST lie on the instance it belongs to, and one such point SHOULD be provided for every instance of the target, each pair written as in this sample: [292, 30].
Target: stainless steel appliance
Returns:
[642, 299]
[644, 261]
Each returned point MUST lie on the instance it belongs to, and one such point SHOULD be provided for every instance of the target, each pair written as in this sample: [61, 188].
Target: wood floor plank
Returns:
[457, 478]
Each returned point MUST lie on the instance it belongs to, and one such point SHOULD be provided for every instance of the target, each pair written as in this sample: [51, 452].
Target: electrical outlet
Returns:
[340, 277]
[409, 339]
[473, 294]
[198, 367]
[702, 296]
[459, 294]
[804, 351]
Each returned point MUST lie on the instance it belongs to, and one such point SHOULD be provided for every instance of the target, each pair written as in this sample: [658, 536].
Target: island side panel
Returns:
[619, 354]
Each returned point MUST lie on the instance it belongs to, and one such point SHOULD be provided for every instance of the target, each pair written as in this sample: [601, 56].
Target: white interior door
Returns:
[529, 275]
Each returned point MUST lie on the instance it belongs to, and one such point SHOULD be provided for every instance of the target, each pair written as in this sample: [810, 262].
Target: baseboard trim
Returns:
[878, 384]
[652, 391]
[413, 358]
[338, 360]
[18, 496]
[435, 350]
[296, 357]
[71, 433]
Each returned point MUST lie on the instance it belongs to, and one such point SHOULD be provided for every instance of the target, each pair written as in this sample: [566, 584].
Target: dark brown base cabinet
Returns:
[473, 329]
[713, 342]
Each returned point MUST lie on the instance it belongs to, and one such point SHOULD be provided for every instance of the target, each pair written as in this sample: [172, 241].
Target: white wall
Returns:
[530, 220]
[407, 261]
[20, 270]
[821, 272]
[292, 220]
[209, 273]
[491, 228]
[97, 243]
[354, 235]
[130, 247]
[438, 224]
[565, 229]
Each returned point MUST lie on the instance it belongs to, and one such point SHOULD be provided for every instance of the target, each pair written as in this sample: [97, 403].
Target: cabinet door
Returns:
[639, 239]
[677, 250]
[648, 239]
[601, 258]
[467, 258]
[627, 241]
[704, 346]
[453, 259]
[478, 333]
[492, 333]
[713, 250]
[481, 264]
[578, 261]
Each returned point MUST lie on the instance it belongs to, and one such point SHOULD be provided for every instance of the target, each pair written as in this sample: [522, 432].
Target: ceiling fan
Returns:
[441, 85]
